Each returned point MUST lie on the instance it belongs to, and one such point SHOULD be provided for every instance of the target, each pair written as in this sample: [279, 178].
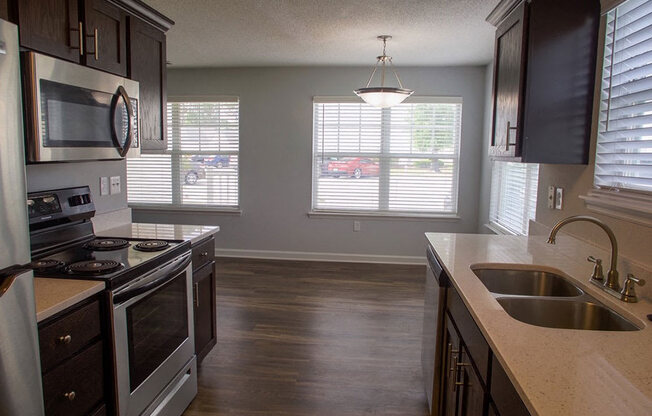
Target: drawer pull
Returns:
[204, 254]
[66, 339]
[70, 395]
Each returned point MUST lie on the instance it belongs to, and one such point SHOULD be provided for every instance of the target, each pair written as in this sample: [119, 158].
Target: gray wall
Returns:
[275, 155]
[47, 176]
[485, 172]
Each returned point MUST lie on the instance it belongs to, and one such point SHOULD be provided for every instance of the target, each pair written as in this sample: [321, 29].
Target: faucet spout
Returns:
[612, 275]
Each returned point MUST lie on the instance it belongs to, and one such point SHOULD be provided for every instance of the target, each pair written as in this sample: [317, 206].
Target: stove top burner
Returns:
[106, 244]
[152, 245]
[45, 265]
[94, 267]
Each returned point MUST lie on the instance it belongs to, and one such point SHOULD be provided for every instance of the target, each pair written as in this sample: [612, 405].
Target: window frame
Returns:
[381, 214]
[175, 167]
[625, 204]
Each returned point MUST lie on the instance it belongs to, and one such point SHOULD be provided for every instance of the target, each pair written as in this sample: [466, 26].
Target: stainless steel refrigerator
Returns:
[20, 369]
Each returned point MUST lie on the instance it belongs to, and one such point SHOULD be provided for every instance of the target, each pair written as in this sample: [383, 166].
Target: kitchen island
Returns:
[554, 371]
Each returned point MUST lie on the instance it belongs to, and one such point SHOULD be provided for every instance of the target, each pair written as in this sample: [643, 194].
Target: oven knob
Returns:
[70, 395]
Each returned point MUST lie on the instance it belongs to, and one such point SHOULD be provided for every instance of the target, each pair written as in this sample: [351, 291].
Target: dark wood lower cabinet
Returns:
[452, 342]
[204, 297]
[474, 382]
[471, 400]
[75, 361]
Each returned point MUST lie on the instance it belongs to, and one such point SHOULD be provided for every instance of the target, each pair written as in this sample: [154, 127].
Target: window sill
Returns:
[499, 229]
[384, 216]
[629, 206]
[169, 208]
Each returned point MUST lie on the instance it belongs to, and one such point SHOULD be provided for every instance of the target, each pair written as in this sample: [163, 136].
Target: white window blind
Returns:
[624, 146]
[402, 159]
[199, 169]
[513, 196]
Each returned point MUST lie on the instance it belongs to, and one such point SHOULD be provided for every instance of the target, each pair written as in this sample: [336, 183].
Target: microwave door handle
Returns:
[122, 93]
[166, 277]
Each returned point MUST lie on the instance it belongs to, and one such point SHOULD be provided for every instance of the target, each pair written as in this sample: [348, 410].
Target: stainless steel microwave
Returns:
[76, 113]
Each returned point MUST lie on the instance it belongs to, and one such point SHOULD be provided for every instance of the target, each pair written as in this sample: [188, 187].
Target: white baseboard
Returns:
[310, 256]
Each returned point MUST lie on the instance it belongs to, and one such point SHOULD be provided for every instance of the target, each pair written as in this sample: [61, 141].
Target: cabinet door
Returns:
[50, 27]
[147, 65]
[204, 309]
[471, 392]
[449, 376]
[509, 69]
[105, 44]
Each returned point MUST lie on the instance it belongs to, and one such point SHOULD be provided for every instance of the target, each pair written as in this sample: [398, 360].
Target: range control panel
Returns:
[60, 206]
[43, 205]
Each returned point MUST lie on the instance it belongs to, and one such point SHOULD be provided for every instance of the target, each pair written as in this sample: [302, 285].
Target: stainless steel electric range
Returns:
[149, 291]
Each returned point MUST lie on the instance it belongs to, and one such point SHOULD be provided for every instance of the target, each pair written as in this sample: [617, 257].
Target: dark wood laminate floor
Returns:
[309, 338]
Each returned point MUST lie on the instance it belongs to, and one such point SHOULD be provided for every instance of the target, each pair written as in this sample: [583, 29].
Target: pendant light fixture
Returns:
[383, 96]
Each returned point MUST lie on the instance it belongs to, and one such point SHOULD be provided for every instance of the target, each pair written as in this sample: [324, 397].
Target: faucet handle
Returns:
[628, 294]
[597, 269]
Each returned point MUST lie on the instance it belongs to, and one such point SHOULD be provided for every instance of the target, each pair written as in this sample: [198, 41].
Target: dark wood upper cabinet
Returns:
[4, 10]
[508, 82]
[544, 78]
[147, 65]
[51, 27]
[105, 28]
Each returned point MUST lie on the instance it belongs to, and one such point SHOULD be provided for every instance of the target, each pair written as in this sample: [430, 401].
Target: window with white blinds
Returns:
[624, 146]
[513, 200]
[398, 160]
[199, 168]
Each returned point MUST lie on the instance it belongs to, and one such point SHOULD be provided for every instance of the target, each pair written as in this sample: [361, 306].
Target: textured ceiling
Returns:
[231, 33]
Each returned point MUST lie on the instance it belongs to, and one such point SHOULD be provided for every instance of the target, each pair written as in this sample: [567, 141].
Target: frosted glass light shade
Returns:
[383, 97]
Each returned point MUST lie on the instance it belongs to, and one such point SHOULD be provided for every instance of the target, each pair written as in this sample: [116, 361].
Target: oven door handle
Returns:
[122, 93]
[166, 273]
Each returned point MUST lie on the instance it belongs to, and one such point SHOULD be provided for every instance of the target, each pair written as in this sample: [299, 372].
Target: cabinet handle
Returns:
[509, 128]
[95, 37]
[70, 395]
[97, 53]
[451, 351]
[66, 339]
[80, 30]
[196, 295]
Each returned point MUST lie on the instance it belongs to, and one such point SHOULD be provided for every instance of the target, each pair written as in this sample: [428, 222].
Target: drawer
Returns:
[203, 252]
[473, 339]
[68, 334]
[100, 411]
[77, 386]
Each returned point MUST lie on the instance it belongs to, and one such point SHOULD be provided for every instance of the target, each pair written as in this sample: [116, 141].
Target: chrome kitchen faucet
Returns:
[611, 285]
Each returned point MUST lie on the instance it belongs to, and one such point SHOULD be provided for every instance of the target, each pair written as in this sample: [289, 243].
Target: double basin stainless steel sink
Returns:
[546, 299]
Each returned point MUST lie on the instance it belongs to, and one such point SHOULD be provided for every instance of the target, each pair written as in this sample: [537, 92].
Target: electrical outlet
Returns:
[551, 197]
[356, 226]
[104, 185]
[115, 185]
[559, 198]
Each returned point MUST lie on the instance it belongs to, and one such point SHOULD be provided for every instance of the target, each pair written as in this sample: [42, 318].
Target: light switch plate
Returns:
[356, 226]
[115, 185]
[104, 185]
[551, 197]
[559, 198]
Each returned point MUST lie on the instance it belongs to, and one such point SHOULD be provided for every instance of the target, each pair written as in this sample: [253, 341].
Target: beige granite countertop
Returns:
[194, 233]
[556, 371]
[54, 295]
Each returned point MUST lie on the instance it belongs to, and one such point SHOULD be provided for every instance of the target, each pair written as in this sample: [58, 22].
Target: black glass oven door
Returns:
[156, 326]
